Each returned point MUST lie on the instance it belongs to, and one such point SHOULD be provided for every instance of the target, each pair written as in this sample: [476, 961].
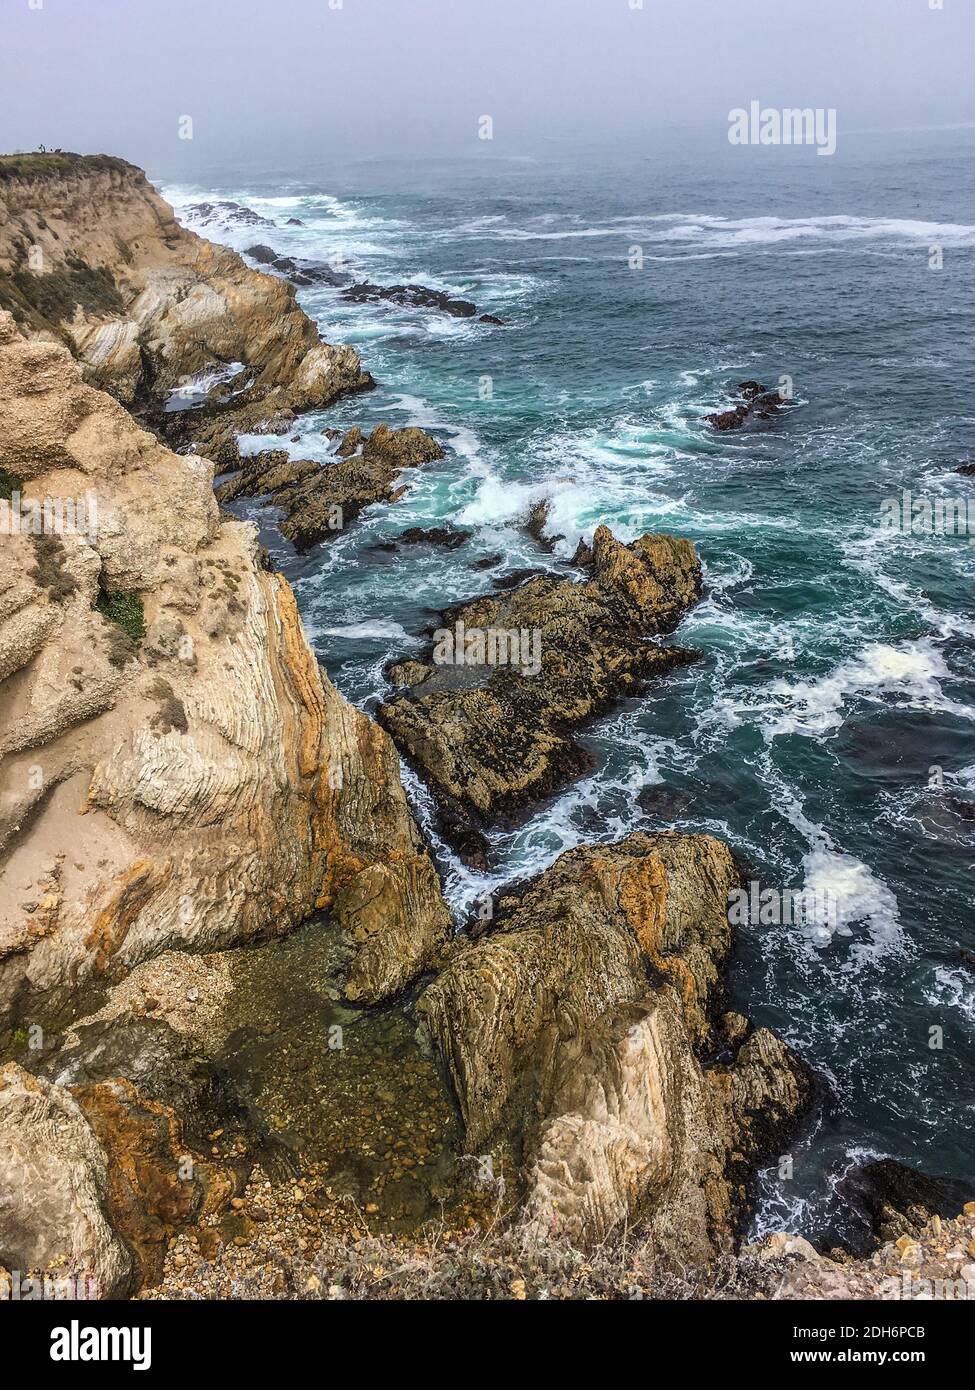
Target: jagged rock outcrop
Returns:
[895, 1200]
[89, 251]
[412, 296]
[155, 1183]
[932, 1259]
[225, 213]
[487, 717]
[299, 272]
[195, 781]
[320, 499]
[579, 1026]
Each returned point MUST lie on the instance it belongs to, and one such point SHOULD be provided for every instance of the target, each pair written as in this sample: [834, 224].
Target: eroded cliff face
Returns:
[89, 251]
[197, 786]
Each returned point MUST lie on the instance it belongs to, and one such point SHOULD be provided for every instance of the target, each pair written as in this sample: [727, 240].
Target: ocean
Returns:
[828, 730]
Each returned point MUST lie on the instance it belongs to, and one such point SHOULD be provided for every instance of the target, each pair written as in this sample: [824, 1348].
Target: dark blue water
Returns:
[827, 732]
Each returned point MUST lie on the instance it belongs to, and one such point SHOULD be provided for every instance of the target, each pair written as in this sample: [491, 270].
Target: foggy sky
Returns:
[297, 79]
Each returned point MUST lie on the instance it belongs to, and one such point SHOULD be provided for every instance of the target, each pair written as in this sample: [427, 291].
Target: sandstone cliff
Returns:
[195, 785]
[175, 771]
[178, 778]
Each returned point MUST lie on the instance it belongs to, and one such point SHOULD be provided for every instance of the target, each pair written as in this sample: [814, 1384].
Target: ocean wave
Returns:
[856, 903]
[779, 1207]
[869, 554]
[377, 630]
[733, 233]
[953, 989]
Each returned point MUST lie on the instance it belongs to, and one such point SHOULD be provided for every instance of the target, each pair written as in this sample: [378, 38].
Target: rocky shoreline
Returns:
[242, 1048]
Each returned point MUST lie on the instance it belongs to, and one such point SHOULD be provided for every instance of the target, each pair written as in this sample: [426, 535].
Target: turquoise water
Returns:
[837, 659]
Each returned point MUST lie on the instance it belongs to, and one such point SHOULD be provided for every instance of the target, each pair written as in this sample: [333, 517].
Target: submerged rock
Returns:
[515, 672]
[577, 1030]
[756, 402]
[446, 537]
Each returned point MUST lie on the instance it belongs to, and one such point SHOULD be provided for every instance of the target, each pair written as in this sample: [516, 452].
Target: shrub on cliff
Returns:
[44, 164]
[58, 294]
[125, 618]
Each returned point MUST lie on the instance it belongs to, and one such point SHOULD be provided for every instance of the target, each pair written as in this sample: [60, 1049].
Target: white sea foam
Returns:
[860, 900]
[871, 554]
[911, 672]
[954, 989]
[861, 905]
[194, 389]
[376, 630]
[570, 818]
[498, 501]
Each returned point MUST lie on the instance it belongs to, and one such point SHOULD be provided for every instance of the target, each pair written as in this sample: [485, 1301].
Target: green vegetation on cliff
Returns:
[41, 164]
[57, 295]
[126, 611]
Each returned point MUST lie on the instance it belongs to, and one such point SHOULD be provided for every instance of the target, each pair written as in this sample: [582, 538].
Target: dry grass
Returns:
[505, 1263]
[49, 569]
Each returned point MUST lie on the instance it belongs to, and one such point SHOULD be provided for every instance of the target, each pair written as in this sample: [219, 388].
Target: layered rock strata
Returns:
[188, 778]
[179, 778]
[90, 253]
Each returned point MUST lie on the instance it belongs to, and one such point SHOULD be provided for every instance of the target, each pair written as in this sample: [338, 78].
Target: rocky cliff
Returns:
[578, 1028]
[90, 254]
[179, 781]
[188, 777]
[176, 771]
